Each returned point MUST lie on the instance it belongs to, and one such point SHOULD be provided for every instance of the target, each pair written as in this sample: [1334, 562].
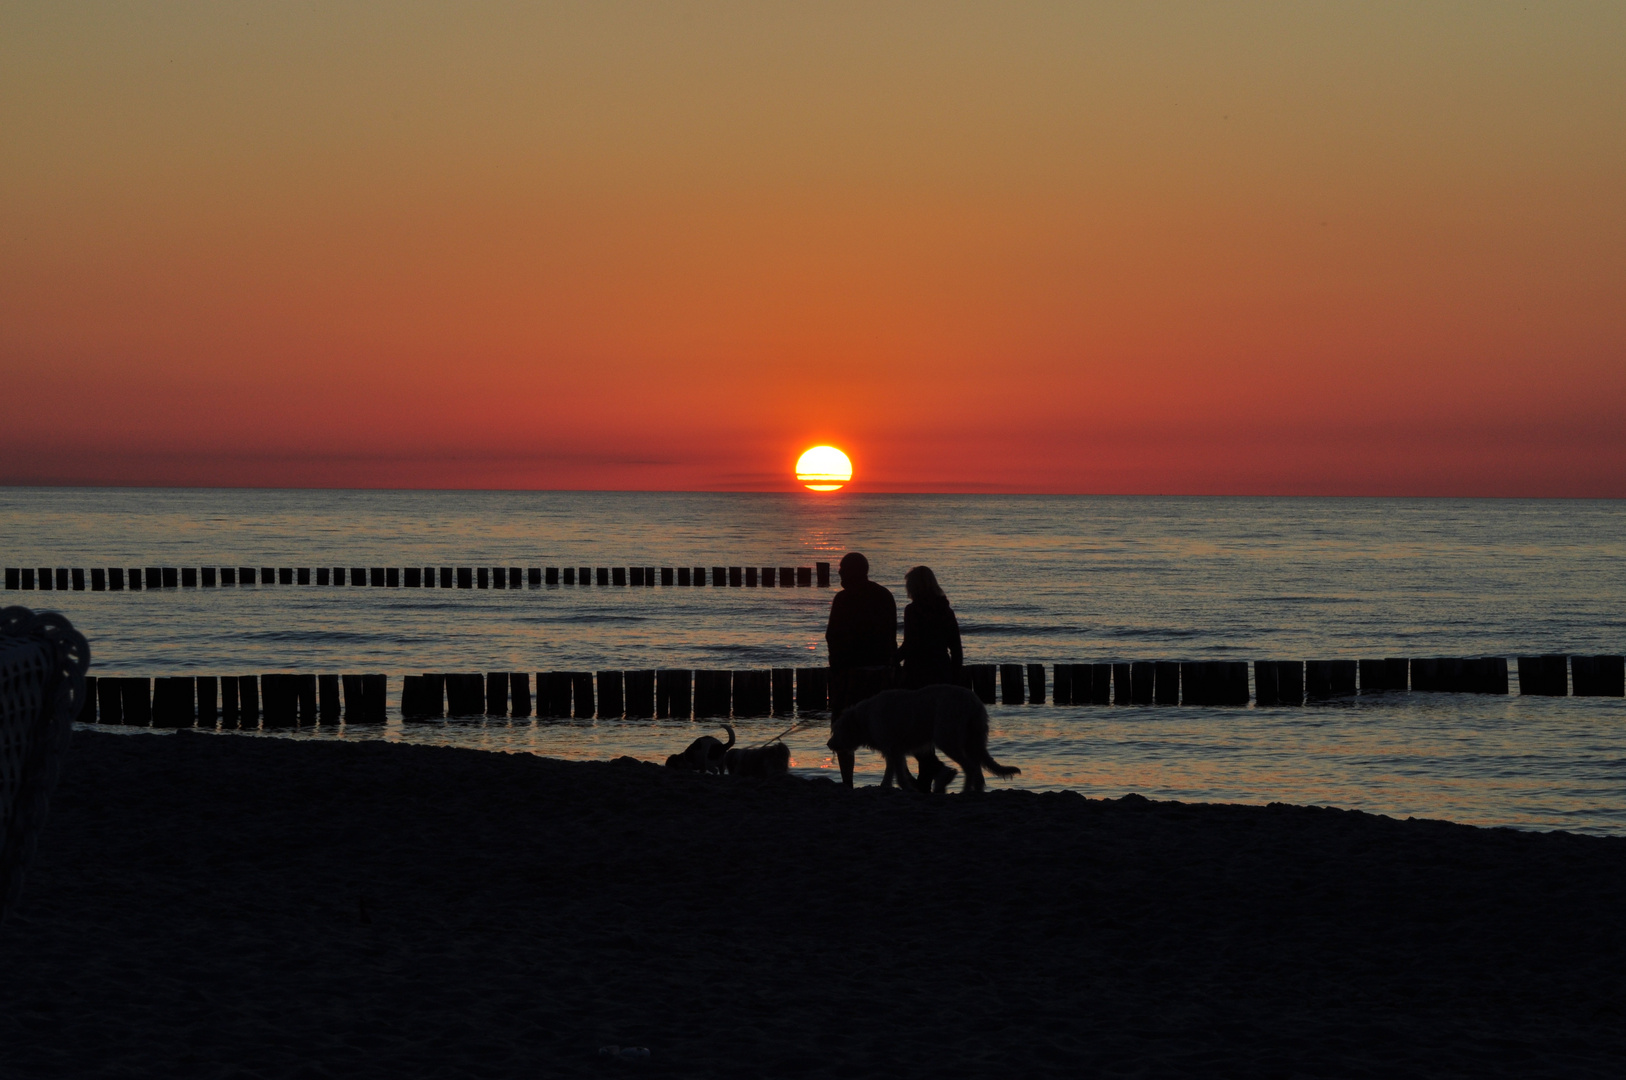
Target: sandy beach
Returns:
[211, 906]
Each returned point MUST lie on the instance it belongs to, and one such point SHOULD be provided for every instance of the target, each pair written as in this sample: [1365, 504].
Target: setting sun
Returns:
[823, 468]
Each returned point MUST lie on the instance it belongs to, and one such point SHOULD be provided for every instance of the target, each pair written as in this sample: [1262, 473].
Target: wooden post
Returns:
[570, 576]
[1142, 677]
[285, 576]
[482, 578]
[1598, 676]
[1120, 684]
[1036, 695]
[248, 702]
[98, 579]
[208, 575]
[1341, 677]
[804, 577]
[115, 579]
[1010, 684]
[736, 576]
[305, 694]
[14, 577]
[750, 577]
[1233, 681]
[601, 575]
[465, 693]
[172, 702]
[1425, 674]
[1078, 682]
[414, 580]
[1100, 684]
[207, 690]
[787, 577]
[465, 577]
[329, 709]
[1317, 680]
[87, 707]
[279, 700]
[496, 693]
[1166, 682]
[584, 575]
[769, 577]
[433, 696]
[712, 693]
[552, 577]
[558, 693]
[352, 698]
[641, 687]
[392, 577]
[581, 694]
[228, 702]
[375, 693]
[637, 573]
[823, 570]
[698, 576]
[612, 700]
[683, 575]
[719, 578]
[499, 577]
[533, 577]
[1542, 676]
[110, 700]
[1266, 688]
[618, 576]
[519, 694]
[784, 690]
[1194, 683]
[1374, 677]
[303, 575]
[412, 687]
[172, 578]
[136, 698]
[78, 579]
[1061, 684]
[812, 689]
[984, 682]
[753, 693]
[667, 576]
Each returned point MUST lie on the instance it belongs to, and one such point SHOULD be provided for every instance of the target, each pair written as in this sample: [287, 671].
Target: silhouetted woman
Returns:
[931, 634]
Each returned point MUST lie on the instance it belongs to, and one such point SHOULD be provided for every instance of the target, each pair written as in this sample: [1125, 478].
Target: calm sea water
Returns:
[1033, 579]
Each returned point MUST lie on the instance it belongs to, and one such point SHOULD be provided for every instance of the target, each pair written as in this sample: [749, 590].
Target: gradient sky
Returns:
[1212, 248]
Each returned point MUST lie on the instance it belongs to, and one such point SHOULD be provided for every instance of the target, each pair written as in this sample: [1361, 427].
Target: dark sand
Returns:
[197, 912]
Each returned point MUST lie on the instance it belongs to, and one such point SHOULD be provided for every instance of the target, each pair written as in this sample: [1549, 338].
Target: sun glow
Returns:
[823, 468]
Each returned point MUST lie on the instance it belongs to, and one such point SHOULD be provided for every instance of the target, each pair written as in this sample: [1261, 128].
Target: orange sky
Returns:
[1283, 248]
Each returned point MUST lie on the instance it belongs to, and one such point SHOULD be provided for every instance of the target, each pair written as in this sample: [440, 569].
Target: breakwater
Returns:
[280, 699]
[149, 578]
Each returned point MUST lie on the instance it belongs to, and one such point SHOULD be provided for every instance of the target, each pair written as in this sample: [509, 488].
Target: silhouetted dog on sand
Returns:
[705, 754]
[772, 760]
[899, 723]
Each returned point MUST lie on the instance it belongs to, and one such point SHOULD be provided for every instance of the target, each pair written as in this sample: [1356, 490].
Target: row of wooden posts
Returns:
[118, 579]
[284, 700]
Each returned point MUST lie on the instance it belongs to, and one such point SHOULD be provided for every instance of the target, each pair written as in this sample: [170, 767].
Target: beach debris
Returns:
[625, 1053]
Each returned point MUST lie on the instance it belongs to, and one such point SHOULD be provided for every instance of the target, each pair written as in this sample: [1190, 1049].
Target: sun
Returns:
[823, 468]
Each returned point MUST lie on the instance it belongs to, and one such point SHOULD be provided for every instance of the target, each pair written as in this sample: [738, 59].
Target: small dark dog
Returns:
[706, 754]
[758, 761]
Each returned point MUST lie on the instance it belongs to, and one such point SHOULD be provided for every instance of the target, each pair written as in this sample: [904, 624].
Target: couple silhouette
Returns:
[862, 635]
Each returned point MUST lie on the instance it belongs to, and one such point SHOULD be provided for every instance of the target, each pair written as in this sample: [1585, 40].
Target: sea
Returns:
[1033, 579]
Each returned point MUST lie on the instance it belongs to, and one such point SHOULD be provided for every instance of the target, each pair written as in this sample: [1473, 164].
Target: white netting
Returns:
[42, 687]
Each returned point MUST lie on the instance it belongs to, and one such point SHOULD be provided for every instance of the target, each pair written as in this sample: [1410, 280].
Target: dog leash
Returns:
[797, 726]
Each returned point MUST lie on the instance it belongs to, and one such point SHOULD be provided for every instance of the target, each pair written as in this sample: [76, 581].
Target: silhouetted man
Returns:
[862, 635]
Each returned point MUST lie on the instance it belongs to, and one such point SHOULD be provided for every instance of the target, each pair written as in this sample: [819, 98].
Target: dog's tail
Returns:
[730, 743]
[996, 768]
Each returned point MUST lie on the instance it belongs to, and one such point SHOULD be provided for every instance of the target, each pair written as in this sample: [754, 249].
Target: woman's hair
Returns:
[922, 583]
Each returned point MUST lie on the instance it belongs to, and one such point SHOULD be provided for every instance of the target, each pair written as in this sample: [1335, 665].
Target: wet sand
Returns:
[211, 906]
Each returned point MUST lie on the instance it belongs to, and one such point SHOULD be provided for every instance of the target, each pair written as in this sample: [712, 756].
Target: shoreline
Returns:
[280, 907]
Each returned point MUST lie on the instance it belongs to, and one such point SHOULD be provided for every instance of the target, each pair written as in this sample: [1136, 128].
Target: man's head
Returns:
[854, 569]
